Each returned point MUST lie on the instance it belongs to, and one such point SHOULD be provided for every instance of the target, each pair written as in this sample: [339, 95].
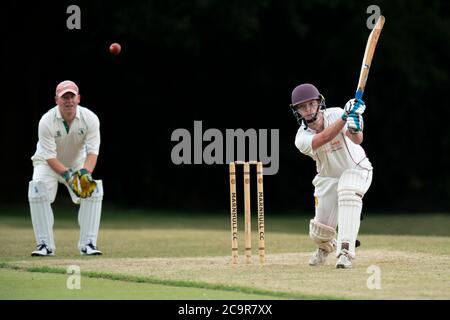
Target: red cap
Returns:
[66, 86]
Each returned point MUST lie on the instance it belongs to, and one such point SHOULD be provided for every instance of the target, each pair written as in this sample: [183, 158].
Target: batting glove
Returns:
[356, 106]
[355, 123]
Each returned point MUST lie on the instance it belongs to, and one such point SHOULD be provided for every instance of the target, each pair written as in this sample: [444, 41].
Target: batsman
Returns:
[66, 153]
[332, 138]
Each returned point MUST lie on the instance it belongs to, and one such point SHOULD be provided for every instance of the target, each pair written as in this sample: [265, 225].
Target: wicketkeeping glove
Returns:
[356, 106]
[73, 181]
[88, 184]
[355, 123]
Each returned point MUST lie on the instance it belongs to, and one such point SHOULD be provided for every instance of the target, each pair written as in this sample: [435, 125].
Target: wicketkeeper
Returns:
[332, 137]
[67, 151]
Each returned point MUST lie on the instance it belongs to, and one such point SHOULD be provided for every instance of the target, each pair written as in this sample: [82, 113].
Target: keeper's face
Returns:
[67, 103]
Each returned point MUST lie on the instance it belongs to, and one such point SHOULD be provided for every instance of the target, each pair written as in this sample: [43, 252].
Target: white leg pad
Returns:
[350, 206]
[351, 189]
[41, 214]
[89, 217]
[322, 235]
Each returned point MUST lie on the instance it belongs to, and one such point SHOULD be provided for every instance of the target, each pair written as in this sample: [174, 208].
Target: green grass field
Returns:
[164, 255]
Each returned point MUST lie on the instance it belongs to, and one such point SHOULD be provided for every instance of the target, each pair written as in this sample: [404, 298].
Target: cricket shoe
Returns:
[318, 257]
[344, 260]
[90, 250]
[42, 251]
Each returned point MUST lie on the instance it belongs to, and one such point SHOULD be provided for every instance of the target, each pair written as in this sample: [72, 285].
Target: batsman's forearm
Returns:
[57, 166]
[90, 162]
[357, 138]
[327, 134]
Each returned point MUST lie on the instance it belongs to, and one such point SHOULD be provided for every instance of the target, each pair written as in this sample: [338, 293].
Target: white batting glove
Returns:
[355, 123]
[354, 106]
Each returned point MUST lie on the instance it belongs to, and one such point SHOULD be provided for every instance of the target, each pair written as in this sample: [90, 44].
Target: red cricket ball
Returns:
[115, 48]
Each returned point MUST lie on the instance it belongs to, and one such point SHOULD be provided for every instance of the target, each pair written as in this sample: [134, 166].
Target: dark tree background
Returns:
[231, 64]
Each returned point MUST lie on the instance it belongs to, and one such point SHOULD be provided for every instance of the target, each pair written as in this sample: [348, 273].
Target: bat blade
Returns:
[368, 55]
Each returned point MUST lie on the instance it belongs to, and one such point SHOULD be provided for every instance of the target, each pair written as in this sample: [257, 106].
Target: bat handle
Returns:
[359, 94]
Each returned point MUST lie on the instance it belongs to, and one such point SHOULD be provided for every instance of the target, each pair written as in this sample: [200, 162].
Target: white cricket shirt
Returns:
[336, 156]
[68, 146]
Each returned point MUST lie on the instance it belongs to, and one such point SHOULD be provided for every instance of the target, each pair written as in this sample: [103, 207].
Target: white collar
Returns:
[59, 116]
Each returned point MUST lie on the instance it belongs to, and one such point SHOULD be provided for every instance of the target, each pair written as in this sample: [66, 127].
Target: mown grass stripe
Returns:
[174, 283]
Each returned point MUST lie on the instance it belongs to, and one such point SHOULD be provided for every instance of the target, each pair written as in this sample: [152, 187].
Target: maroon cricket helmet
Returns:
[305, 92]
[302, 93]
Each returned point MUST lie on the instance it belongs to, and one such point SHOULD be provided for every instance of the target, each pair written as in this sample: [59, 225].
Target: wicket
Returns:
[234, 214]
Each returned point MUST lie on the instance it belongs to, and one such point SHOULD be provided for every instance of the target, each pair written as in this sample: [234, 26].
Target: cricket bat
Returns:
[368, 55]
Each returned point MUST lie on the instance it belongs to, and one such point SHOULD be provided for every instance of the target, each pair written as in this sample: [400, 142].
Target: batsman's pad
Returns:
[355, 180]
[89, 216]
[41, 214]
[352, 186]
[322, 235]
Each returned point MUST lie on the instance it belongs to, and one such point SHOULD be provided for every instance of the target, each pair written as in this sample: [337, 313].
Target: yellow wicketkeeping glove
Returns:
[86, 183]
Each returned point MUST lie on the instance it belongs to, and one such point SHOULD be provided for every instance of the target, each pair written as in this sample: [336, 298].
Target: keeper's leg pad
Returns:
[322, 235]
[89, 217]
[352, 186]
[41, 214]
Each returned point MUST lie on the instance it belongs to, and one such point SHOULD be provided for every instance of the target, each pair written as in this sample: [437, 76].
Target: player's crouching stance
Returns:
[332, 137]
[67, 151]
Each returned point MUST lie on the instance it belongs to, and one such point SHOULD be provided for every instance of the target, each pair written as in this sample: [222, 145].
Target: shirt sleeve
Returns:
[303, 142]
[93, 136]
[46, 141]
